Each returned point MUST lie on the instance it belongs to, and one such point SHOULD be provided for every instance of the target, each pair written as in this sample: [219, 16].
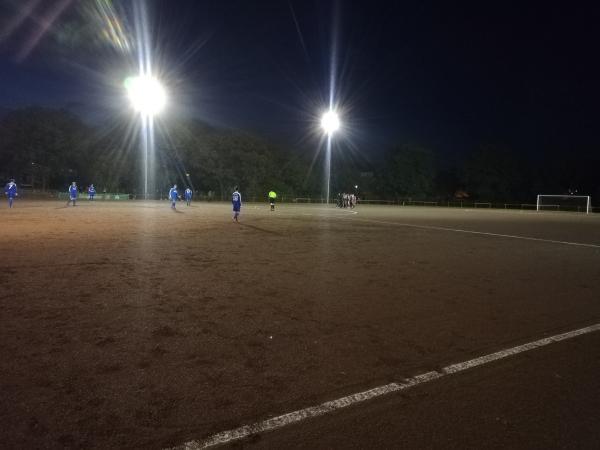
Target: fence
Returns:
[112, 196]
[283, 198]
[307, 200]
[474, 205]
[457, 204]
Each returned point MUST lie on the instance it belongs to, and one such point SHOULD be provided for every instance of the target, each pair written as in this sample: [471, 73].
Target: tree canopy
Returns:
[48, 148]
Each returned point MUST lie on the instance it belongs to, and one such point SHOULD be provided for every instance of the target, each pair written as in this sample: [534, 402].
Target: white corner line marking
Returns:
[343, 402]
[484, 233]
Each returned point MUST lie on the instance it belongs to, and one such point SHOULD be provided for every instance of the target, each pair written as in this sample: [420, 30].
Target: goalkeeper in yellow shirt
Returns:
[272, 197]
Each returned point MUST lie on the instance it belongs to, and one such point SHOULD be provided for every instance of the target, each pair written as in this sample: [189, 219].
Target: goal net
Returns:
[577, 203]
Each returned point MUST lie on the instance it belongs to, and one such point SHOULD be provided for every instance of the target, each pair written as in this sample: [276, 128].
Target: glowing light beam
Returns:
[330, 122]
[146, 94]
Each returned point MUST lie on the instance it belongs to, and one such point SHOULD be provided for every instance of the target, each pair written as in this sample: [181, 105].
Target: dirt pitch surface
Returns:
[128, 325]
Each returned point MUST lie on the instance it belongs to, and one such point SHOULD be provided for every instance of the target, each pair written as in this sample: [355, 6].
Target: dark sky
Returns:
[449, 76]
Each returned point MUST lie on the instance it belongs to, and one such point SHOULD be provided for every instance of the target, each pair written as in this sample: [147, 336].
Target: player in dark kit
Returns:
[236, 201]
[73, 194]
[173, 196]
[11, 192]
[188, 196]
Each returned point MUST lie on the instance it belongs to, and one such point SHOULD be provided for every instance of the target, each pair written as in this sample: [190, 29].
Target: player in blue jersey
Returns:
[11, 192]
[173, 195]
[188, 196]
[73, 194]
[91, 192]
[236, 200]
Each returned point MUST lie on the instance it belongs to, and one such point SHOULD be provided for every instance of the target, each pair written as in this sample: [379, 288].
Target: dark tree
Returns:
[496, 173]
[44, 148]
[408, 171]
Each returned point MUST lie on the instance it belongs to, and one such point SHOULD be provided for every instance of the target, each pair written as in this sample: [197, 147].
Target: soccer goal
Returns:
[579, 203]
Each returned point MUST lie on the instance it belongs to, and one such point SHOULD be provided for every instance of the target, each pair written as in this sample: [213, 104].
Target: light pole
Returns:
[148, 98]
[330, 123]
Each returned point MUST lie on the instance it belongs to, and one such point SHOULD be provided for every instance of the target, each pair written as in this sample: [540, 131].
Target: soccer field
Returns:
[129, 325]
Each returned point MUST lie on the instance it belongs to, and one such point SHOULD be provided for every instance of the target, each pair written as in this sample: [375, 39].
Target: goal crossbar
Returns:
[588, 201]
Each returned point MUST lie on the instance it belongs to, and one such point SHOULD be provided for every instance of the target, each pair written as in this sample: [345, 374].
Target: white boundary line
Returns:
[343, 402]
[483, 233]
[454, 230]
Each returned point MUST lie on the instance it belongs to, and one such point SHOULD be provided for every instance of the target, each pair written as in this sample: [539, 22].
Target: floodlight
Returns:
[330, 122]
[146, 94]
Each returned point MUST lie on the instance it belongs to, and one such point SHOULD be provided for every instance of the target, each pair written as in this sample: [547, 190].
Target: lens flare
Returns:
[330, 122]
[146, 94]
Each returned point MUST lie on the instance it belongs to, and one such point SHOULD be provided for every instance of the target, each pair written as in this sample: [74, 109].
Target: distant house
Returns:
[461, 194]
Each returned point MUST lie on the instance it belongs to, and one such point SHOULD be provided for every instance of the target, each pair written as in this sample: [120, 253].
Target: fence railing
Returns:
[430, 203]
[118, 196]
[478, 205]
[284, 198]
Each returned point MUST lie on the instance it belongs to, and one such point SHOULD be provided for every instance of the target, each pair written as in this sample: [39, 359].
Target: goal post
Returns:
[579, 203]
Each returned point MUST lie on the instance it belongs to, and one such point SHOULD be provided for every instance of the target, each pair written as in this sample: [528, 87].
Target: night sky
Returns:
[442, 75]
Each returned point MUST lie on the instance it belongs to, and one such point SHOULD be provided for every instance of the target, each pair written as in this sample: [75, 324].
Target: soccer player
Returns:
[11, 191]
[188, 196]
[272, 197]
[173, 195]
[236, 200]
[72, 194]
[91, 192]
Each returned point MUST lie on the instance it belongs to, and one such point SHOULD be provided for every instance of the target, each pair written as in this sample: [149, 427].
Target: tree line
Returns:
[46, 149]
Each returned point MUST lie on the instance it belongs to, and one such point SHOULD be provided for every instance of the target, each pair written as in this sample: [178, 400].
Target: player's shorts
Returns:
[236, 209]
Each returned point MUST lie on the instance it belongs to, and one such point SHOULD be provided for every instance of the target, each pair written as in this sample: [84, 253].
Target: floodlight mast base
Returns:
[328, 168]
[145, 142]
[330, 123]
[148, 98]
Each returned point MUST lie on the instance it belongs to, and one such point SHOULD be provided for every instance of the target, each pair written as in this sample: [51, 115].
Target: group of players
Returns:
[74, 193]
[346, 200]
[11, 192]
[236, 198]
[174, 196]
